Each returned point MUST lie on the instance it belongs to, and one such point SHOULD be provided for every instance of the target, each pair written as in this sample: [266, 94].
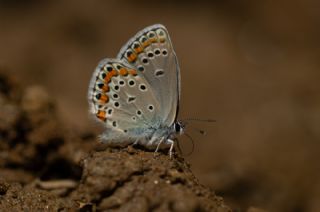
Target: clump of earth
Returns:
[44, 166]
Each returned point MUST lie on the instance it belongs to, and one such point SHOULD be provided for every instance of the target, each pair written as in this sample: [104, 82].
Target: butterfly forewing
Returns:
[150, 51]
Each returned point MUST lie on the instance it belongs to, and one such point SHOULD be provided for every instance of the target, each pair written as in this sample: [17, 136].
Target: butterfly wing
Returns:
[138, 92]
[150, 51]
[121, 98]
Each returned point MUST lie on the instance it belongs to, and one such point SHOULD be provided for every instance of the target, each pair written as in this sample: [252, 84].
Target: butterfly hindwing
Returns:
[121, 98]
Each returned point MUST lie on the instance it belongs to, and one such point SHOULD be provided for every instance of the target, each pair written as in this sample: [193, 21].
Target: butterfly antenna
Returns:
[179, 147]
[202, 132]
[192, 141]
[204, 120]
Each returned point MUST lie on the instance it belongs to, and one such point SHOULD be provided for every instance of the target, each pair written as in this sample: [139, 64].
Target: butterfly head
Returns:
[179, 127]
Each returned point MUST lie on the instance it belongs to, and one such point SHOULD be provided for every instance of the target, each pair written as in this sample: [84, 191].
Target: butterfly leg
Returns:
[136, 142]
[171, 147]
[161, 140]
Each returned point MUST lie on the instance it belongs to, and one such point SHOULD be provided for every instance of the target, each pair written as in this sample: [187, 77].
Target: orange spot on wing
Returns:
[123, 72]
[153, 40]
[133, 72]
[110, 75]
[146, 43]
[105, 88]
[162, 39]
[132, 57]
[138, 50]
[104, 98]
[108, 78]
[114, 73]
[101, 115]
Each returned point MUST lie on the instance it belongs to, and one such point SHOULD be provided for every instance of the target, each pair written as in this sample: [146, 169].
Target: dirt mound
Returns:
[138, 179]
[43, 166]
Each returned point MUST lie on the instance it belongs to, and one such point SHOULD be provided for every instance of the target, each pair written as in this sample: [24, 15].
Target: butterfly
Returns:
[136, 95]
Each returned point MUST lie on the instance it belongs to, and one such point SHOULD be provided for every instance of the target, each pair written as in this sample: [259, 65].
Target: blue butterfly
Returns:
[136, 95]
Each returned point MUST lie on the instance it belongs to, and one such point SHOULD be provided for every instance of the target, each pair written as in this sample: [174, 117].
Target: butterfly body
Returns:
[136, 95]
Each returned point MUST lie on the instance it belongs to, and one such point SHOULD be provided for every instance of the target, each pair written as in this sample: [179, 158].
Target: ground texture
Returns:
[46, 167]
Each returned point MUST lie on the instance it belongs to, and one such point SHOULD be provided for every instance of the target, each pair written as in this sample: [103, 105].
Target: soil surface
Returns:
[46, 167]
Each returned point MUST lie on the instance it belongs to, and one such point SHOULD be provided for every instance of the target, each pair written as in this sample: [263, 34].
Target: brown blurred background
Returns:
[252, 65]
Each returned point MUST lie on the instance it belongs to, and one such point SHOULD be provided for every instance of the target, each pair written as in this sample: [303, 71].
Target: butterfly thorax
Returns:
[163, 134]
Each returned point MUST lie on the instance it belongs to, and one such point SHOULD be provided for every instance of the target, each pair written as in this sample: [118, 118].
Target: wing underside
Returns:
[138, 91]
